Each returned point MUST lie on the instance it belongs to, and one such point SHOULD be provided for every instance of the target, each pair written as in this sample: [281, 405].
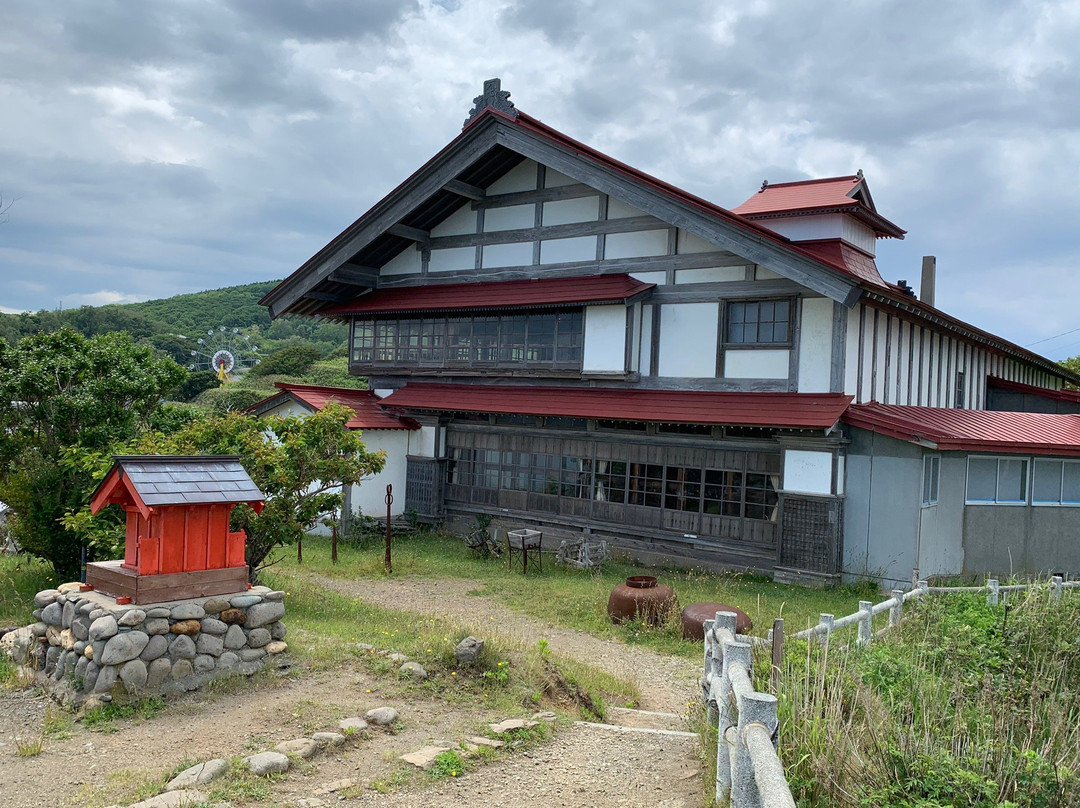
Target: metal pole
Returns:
[333, 542]
[300, 550]
[387, 563]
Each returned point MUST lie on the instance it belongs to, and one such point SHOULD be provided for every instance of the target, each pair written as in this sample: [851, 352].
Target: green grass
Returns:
[22, 577]
[576, 598]
[104, 718]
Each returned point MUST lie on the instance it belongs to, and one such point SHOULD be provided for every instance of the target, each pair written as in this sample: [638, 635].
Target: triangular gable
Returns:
[116, 489]
[492, 144]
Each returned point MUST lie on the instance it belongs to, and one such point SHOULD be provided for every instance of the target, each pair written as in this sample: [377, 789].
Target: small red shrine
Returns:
[178, 543]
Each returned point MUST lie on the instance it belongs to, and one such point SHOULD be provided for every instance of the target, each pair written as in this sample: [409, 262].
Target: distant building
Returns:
[589, 348]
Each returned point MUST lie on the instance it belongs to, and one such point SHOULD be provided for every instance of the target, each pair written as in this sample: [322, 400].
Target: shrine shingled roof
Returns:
[183, 480]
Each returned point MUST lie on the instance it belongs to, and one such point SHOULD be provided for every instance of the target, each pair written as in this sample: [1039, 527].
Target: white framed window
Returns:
[997, 481]
[1055, 482]
[931, 477]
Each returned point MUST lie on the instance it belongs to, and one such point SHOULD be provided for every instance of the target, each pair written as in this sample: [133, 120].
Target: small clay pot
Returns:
[697, 613]
[641, 597]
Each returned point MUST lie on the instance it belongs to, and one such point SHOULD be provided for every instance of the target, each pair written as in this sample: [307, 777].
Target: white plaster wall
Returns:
[756, 363]
[851, 353]
[422, 442]
[406, 262]
[605, 339]
[690, 243]
[451, 259]
[815, 345]
[617, 209]
[507, 255]
[645, 362]
[855, 232]
[659, 278]
[568, 211]
[808, 472]
[804, 228]
[635, 338]
[765, 274]
[557, 251]
[688, 333]
[710, 275]
[521, 177]
[636, 244]
[513, 217]
[369, 496]
[556, 179]
[288, 409]
[458, 223]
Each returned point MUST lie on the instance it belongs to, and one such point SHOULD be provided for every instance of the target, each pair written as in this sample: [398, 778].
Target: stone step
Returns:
[678, 733]
[644, 719]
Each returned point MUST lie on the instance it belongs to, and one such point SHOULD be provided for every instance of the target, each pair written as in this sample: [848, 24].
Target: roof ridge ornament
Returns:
[764, 185]
[493, 96]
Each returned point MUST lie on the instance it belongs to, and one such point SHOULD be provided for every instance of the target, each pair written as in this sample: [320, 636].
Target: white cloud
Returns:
[102, 297]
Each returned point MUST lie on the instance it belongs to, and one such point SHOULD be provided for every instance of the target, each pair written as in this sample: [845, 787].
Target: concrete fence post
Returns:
[1055, 587]
[776, 637]
[896, 611]
[825, 624]
[707, 675]
[754, 708]
[924, 586]
[866, 622]
[992, 587]
[732, 652]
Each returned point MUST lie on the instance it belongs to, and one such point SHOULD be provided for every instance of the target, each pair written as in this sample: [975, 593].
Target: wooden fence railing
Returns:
[749, 773]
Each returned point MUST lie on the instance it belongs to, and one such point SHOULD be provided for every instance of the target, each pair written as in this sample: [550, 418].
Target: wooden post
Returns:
[777, 654]
[387, 562]
[300, 550]
[333, 542]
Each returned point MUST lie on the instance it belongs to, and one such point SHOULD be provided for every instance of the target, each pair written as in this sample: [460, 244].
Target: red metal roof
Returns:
[846, 258]
[818, 196]
[364, 403]
[972, 430]
[813, 410]
[503, 294]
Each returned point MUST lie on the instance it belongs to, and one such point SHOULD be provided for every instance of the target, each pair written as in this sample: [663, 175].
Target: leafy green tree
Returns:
[1072, 364]
[287, 362]
[196, 383]
[61, 391]
[300, 464]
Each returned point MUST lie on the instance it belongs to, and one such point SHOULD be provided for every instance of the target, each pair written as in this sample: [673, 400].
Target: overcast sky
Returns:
[155, 148]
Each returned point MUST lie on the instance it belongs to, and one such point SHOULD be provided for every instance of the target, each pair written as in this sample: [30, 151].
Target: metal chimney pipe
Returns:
[929, 279]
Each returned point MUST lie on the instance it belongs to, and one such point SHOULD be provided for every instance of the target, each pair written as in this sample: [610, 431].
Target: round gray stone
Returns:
[132, 617]
[304, 747]
[69, 615]
[182, 647]
[123, 647]
[103, 628]
[266, 763]
[80, 668]
[181, 669]
[134, 674]
[209, 644]
[215, 605]
[87, 607]
[204, 663]
[262, 614]
[45, 597]
[228, 660]
[198, 775]
[159, 611]
[235, 638]
[243, 601]
[106, 679]
[78, 647]
[211, 625]
[90, 676]
[252, 654]
[278, 630]
[352, 725]
[156, 625]
[325, 739]
[80, 627]
[96, 613]
[187, 611]
[53, 614]
[414, 670]
[157, 672]
[381, 716]
[157, 647]
[258, 637]
[277, 594]
[468, 650]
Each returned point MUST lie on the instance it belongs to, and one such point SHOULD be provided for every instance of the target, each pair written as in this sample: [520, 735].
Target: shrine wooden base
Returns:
[109, 578]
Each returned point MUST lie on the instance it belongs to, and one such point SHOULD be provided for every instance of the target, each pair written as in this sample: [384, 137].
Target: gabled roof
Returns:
[972, 430]
[843, 256]
[794, 410]
[149, 481]
[829, 195]
[364, 404]
[546, 293]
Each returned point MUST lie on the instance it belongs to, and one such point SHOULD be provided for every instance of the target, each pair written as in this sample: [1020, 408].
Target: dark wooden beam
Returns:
[571, 230]
[413, 233]
[356, 275]
[464, 189]
[328, 297]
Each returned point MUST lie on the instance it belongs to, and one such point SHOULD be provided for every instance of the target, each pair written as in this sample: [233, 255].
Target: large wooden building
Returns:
[589, 348]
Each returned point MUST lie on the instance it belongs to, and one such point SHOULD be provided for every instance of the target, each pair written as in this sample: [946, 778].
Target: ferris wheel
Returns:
[224, 351]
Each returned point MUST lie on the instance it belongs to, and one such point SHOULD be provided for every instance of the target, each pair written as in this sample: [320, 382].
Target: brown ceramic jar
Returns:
[641, 597]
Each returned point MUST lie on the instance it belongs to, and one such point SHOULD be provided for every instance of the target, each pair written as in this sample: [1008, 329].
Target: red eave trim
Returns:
[106, 493]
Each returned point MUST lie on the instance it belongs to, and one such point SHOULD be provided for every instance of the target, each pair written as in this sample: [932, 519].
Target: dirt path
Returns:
[666, 683]
[583, 767]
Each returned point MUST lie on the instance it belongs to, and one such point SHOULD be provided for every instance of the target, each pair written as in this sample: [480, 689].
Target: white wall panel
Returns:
[507, 255]
[461, 222]
[636, 245]
[555, 179]
[659, 278]
[765, 274]
[406, 262]
[851, 353]
[369, 496]
[756, 363]
[617, 209]
[690, 243]
[556, 251]
[807, 472]
[452, 259]
[710, 274]
[513, 217]
[521, 177]
[688, 333]
[815, 345]
[605, 339]
[568, 211]
[645, 363]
